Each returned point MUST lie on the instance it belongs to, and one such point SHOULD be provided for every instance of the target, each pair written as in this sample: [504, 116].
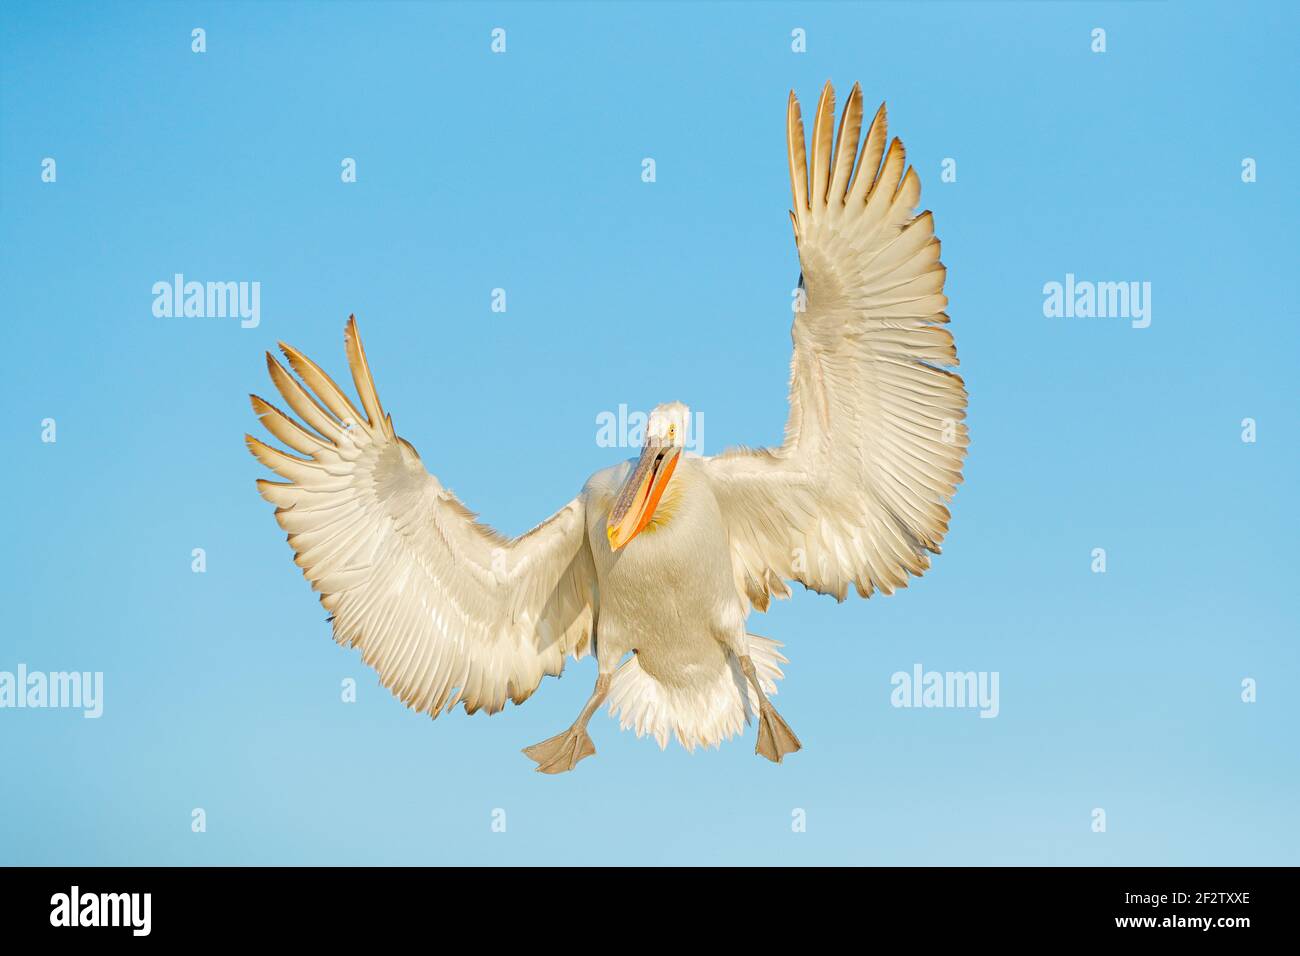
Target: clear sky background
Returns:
[522, 171]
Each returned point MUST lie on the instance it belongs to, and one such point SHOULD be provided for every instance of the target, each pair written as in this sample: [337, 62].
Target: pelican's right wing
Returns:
[444, 608]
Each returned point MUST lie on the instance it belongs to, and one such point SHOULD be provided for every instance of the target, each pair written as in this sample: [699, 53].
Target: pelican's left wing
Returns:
[444, 608]
[874, 442]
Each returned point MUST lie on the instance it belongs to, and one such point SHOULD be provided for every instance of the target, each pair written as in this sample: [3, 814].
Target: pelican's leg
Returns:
[775, 738]
[563, 751]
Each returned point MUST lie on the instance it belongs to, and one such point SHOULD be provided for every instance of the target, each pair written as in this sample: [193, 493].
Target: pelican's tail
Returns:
[697, 716]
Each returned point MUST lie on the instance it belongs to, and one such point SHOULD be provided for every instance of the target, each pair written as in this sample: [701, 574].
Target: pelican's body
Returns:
[671, 601]
[655, 566]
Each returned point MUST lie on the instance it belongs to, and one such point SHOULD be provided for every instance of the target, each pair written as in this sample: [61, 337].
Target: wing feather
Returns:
[798, 159]
[875, 440]
[821, 166]
[302, 403]
[444, 608]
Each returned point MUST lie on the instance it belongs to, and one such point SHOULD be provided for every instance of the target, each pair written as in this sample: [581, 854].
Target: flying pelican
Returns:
[656, 564]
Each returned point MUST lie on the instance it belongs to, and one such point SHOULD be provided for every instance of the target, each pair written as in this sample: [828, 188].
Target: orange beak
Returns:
[640, 494]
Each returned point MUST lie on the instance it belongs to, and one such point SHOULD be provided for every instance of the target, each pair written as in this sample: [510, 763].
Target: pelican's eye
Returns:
[672, 432]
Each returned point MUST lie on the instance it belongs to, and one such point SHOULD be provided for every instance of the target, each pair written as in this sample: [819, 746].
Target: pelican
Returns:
[655, 566]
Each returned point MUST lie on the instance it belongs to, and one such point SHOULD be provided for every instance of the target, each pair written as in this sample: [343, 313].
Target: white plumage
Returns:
[656, 565]
[701, 714]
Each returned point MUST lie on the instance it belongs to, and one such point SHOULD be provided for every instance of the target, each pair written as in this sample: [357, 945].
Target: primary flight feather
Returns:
[656, 564]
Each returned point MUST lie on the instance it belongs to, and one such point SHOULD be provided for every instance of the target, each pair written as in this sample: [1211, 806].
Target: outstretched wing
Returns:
[444, 608]
[875, 441]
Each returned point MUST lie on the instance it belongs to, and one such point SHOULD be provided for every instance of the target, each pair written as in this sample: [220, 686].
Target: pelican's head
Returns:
[634, 506]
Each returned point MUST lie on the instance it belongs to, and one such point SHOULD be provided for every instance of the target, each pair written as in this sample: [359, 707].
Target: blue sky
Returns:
[522, 171]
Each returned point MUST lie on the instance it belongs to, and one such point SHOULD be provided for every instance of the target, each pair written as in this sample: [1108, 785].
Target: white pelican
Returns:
[656, 564]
